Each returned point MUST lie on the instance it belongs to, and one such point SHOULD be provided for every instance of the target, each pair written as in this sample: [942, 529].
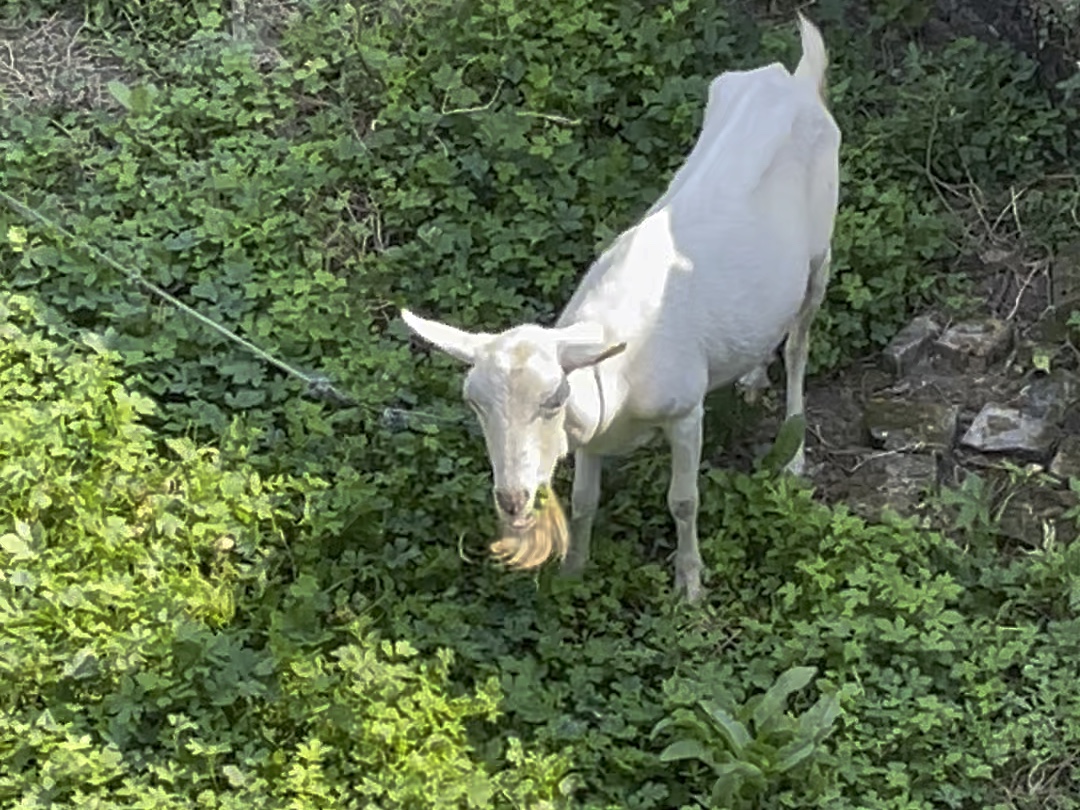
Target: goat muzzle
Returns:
[532, 539]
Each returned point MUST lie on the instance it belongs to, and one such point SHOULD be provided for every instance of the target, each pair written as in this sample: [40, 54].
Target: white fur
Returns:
[729, 262]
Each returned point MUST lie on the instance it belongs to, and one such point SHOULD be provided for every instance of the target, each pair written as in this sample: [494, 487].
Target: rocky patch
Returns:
[990, 397]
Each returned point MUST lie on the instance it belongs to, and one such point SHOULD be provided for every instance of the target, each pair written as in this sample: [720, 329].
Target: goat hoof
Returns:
[797, 465]
[688, 585]
[751, 396]
[804, 470]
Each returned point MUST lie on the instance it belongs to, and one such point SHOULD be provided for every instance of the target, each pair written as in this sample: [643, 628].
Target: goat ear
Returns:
[571, 358]
[583, 345]
[457, 343]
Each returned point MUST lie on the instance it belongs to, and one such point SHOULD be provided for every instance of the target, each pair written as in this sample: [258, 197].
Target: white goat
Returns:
[732, 259]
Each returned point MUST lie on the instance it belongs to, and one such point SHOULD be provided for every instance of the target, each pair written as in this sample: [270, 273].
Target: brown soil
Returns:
[52, 62]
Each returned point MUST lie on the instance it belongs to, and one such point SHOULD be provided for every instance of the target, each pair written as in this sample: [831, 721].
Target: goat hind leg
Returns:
[752, 383]
[797, 349]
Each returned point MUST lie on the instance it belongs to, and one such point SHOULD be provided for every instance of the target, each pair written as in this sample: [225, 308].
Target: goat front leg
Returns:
[797, 349]
[685, 437]
[584, 501]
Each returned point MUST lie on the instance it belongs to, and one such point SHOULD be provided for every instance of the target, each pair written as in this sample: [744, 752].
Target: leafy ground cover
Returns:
[216, 592]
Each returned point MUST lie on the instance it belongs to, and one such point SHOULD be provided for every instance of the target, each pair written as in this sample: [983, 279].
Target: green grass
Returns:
[217, 593]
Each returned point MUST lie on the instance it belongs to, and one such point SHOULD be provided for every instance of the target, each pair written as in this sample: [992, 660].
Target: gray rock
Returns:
[1065, 273]
[896, 424]
[898, 481]
[1066, 461]
[997, 429]
[1032, 513]
[1053, 325]
[909, 345]
[975, 345]
[1049, 396]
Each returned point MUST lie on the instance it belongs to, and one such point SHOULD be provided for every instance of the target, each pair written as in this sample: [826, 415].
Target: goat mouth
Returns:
[530, 539]
[520, 524]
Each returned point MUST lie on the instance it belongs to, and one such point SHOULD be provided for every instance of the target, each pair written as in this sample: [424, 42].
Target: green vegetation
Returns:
[217, 593]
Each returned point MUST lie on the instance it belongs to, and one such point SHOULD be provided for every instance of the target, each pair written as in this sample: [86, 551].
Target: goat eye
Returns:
[558, 399]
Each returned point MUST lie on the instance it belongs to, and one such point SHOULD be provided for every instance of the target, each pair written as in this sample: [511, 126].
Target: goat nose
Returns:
[512, 502]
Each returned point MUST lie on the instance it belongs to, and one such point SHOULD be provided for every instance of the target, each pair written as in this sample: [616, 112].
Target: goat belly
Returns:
[740, 352]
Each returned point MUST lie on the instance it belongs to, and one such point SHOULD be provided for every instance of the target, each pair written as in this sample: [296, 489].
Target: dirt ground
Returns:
[843, 465]
[52, 62]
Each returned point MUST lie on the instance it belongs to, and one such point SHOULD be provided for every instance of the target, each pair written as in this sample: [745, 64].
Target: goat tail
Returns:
[815, 58]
